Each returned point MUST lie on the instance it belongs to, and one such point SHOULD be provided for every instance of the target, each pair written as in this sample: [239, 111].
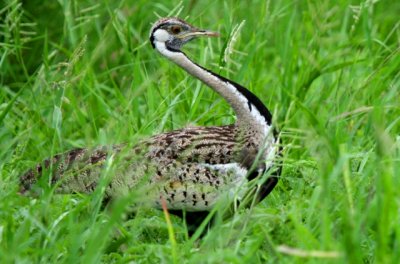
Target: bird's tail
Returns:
[77, 170]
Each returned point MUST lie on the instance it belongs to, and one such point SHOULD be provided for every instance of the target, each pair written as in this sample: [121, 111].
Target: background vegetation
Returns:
[82, 73]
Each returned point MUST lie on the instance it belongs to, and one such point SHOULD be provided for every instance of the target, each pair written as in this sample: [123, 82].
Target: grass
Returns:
[82, 73]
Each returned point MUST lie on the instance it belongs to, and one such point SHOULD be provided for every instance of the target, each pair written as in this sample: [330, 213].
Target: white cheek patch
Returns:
[161, 35]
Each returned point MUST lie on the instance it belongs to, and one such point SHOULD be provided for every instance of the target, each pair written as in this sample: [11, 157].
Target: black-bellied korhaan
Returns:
[190, 168]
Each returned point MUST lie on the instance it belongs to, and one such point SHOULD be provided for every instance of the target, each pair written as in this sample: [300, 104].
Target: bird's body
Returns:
[190, 168]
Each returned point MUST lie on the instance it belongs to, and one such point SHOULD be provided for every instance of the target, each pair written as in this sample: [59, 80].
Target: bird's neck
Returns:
[250, 112]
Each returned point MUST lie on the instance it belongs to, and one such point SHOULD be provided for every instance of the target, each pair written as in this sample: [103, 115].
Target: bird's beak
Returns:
[199, 32]
[207, 33]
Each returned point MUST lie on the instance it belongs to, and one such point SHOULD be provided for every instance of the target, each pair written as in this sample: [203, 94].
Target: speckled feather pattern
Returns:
[175, 166]
[190, 168]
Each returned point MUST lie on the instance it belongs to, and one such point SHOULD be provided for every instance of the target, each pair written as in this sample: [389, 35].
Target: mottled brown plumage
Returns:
[190, 168]
[174, 163]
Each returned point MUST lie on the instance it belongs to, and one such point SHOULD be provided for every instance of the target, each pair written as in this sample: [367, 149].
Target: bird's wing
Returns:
[210, 145]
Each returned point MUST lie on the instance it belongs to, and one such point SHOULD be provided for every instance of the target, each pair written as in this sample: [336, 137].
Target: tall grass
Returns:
[82, 74]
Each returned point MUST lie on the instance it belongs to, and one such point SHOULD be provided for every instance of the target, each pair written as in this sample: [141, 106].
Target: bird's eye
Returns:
[176, 29]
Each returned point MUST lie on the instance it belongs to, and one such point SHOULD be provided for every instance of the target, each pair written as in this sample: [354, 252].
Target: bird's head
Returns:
[174, 33]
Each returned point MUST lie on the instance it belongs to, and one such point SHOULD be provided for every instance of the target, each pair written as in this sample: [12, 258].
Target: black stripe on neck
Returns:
[172, 49]
[152, 35]
[152, 41]
[252, 99]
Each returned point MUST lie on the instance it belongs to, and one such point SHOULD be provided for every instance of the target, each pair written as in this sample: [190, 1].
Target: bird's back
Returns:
[189, 168]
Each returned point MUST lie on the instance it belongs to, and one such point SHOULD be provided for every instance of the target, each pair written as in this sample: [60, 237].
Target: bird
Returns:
[188, 169]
